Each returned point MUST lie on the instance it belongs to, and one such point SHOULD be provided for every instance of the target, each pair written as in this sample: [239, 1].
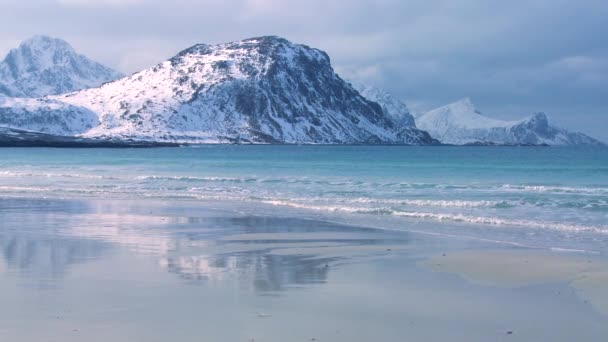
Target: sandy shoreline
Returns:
[587, 275]
[157, 271]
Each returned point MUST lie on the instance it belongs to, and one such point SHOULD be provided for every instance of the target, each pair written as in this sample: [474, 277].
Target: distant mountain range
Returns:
[460, 123]
[259, 90]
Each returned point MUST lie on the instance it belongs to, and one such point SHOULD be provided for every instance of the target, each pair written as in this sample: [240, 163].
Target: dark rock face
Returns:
[413, 136]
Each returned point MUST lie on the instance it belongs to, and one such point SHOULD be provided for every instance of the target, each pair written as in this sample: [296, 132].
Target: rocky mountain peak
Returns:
[44, 65]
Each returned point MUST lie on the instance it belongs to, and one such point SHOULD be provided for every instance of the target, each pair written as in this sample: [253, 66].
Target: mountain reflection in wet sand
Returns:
[269, 253]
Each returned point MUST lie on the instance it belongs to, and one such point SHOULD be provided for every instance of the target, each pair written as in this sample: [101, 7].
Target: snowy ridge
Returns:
[393, 108]
[45, 66]
[396, 111]
[461, 123]
[260, 90]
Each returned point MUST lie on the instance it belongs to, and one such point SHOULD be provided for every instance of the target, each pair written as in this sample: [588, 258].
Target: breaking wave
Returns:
[567, 227]
[555, 189]
[342, 183]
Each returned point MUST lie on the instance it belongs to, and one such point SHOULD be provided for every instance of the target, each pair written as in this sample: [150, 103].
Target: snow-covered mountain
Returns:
[265, 90]
[48, 66]
[461, 123]
[393, 109]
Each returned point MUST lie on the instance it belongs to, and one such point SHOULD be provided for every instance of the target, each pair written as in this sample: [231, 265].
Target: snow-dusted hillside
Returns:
[460, 123]
[43, 66]
[46, 115]
[393, 108]
[396, 111]
[262, 90]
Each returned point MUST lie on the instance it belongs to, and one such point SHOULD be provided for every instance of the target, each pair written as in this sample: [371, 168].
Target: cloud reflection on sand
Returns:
[268, 254]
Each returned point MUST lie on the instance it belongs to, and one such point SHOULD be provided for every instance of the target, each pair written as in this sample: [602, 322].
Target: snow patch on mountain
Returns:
[48, 66]
[461, 123]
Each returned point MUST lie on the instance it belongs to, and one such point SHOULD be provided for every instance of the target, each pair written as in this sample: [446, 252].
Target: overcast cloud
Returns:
[511, 57]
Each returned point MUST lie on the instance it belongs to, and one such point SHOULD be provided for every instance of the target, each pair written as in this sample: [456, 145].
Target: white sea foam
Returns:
[19, 174]
[494, 221]
[195, 178]
[569, 227]
[24, 189]
[339, 183]
[431, 203]
[555, 189]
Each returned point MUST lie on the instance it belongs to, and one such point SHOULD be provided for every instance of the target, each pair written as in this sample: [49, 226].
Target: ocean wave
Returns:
[197, 179]
[53, 175]
[25, 189]
[569, 227]
[322, 196]
[343, 184]
[555, 189]
[360, 205]
[495, 221]
[435, 203]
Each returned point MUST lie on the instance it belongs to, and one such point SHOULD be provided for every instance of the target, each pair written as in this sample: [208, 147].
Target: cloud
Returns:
[100, 3]
[585, 70]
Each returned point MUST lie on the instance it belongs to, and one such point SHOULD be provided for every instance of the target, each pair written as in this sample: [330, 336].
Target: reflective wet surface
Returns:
[95, 270]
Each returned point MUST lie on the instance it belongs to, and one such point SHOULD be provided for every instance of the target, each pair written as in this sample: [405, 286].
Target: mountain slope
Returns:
[394, 109]
[45, 115]
[397, 112]
[48, 66]
[264, 90]
[461, 123]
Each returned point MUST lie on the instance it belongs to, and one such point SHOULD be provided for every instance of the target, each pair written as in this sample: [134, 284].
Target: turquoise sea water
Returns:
[534, 196]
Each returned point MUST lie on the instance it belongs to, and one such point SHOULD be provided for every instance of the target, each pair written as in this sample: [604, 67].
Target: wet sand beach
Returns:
[100, 270]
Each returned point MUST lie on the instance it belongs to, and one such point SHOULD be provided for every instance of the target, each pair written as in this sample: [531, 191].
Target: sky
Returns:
[513, 58]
